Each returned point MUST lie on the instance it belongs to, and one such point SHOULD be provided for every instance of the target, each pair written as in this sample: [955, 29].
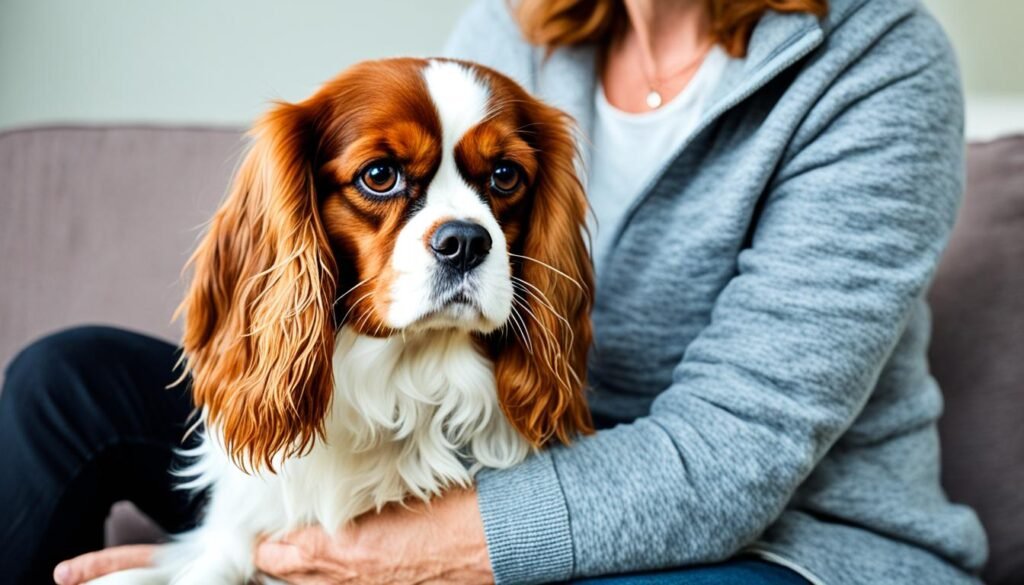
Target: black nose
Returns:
[461, 244]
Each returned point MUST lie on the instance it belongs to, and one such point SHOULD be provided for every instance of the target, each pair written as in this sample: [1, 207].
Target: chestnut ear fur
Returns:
[541, 375]
[258, 320]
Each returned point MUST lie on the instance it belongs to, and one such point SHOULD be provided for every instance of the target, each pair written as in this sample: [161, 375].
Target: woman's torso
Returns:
[872, 508]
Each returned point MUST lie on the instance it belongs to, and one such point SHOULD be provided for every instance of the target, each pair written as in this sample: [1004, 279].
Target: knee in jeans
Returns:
[48, 370]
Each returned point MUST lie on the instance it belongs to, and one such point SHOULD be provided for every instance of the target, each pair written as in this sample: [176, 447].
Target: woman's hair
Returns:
[559, 23]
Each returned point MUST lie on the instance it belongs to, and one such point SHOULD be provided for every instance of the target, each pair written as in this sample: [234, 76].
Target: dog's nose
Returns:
[461, 244]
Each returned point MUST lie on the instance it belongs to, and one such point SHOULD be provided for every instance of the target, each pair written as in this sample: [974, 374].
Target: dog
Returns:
[394, 294]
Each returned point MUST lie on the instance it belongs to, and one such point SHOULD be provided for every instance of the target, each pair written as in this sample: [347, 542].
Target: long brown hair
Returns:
[560, 23]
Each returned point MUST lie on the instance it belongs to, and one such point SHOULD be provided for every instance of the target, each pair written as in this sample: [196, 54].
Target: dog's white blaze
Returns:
[459, 97]
[461, 102]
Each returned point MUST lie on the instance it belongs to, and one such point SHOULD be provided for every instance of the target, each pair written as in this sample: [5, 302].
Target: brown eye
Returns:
[505, 178]
[382, 178]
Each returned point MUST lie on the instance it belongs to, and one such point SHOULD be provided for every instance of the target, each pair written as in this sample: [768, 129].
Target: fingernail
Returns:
[61, 573]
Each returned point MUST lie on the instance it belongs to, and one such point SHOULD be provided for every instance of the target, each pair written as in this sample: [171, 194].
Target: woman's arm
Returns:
[848, 239]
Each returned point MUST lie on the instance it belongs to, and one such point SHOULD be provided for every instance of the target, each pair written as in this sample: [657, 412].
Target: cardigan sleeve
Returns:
[847, 241]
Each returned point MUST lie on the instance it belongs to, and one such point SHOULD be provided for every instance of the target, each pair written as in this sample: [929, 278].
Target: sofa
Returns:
[97, 222]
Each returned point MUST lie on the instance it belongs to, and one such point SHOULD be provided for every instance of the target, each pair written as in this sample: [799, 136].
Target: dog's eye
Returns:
[506, 177]
[382, 178]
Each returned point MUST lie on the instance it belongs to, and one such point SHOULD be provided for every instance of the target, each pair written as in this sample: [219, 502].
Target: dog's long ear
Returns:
[259, 330]
[541, 376]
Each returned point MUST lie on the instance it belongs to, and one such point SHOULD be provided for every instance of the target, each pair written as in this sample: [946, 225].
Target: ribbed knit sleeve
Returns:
[525, 517]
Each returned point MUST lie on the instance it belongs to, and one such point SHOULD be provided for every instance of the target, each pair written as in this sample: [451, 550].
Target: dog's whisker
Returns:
[552, 268]
[349, 291]
[546, 302]
[519, 323]
[519, 326]
[364, 319]
[554, 354]
[354, 305]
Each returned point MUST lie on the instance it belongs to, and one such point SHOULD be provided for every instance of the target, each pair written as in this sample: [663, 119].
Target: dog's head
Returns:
[406, 195]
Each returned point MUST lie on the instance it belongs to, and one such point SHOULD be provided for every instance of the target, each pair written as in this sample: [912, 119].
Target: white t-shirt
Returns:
[630, 149]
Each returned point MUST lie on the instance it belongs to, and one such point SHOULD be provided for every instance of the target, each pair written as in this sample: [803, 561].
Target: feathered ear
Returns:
[541, 376]
[259, 329]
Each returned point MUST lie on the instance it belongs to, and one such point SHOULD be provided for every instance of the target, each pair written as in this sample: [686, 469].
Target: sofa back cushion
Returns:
[977, 352]
[97, 223]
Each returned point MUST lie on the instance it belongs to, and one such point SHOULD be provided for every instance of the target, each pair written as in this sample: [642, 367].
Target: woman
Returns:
[772, 191]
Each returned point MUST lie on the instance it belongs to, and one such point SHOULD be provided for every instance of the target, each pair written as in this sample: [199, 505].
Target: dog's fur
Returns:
[338, 365]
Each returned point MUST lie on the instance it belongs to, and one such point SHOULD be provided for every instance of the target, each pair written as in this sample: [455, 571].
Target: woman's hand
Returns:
[96, 564]
[440, 543]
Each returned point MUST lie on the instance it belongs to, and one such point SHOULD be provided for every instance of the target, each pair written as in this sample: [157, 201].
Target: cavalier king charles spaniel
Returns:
[394, 294]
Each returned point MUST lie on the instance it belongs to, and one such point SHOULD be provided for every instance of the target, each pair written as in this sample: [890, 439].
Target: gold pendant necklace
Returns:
[654, 98]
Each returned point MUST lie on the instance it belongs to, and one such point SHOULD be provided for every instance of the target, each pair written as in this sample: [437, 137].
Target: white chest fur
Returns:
[409, 416]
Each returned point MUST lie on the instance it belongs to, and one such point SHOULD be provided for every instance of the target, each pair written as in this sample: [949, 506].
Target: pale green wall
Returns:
[220, 61]
[989, 38]
[193, 61]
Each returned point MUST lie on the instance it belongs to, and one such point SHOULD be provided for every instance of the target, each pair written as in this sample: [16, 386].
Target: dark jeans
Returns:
[87, 419]
[735, 572]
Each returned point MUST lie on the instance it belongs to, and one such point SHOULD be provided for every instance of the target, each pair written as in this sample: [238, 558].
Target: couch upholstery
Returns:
[977, 352]
[96, 223]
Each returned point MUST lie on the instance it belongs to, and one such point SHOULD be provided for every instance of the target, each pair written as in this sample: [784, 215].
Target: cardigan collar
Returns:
[567, 78]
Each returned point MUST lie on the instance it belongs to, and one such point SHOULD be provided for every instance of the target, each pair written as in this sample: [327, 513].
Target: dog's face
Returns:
[405, 195]
[422, 193]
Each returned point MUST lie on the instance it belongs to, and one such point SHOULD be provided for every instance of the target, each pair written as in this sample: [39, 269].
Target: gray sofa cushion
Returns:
[96, 224]
[977, 352]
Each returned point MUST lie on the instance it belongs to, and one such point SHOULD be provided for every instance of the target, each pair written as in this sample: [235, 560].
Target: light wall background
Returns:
[194, 61]
[220, 61]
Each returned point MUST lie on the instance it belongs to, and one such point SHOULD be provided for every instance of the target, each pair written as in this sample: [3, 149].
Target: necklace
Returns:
[655, 82]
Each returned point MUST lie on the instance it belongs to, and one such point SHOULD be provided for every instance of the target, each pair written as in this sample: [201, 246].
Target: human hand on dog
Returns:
[442, 542]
